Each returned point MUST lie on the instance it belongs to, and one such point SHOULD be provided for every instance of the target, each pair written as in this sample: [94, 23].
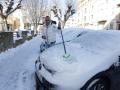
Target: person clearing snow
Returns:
[49, 30]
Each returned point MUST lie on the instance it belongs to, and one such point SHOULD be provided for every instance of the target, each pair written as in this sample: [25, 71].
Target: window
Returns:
[111, 26]
[84, 18]
[118, 26]
[91, 16]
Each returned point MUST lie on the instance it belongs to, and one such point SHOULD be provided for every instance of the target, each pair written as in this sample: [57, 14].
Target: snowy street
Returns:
[17, 66]
[59, 44]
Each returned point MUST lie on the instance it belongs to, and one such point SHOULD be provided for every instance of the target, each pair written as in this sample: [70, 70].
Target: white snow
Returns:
[92, 52]
[17, 66]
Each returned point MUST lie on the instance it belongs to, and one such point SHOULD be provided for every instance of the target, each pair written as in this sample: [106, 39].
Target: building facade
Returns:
[72, 21]
[99, 14]
[12, 22]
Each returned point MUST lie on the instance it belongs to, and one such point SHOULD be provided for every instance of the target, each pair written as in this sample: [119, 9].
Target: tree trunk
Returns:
[63, 24]
[6, 24]
[35, 28]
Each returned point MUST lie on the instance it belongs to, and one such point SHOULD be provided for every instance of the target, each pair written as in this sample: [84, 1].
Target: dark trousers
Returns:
[45, 45]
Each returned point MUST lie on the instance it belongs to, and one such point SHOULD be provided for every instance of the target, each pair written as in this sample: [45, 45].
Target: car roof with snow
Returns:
[89, 52]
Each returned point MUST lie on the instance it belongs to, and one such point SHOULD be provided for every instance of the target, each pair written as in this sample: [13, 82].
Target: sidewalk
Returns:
[17, 66]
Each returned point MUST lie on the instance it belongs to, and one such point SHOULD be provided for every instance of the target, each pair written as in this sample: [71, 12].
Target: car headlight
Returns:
[38, 63]
[49, 70]
[40, 66]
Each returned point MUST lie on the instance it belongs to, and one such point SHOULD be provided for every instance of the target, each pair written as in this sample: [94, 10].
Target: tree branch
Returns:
[58, 12]
[17, 7]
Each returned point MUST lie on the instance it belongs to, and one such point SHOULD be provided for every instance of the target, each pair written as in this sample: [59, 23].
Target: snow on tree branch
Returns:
[63, 17]
[34, 11]
[11, 10]
[7, 8]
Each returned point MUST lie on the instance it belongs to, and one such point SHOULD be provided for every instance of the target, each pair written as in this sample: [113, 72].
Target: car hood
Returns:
[89, 54]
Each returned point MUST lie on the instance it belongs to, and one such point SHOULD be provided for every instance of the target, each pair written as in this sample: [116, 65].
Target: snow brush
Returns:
[63, 41]
[66, 56]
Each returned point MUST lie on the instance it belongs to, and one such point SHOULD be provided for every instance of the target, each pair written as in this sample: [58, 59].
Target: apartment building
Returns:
[72, 21]
[99, 14]
[12, 21]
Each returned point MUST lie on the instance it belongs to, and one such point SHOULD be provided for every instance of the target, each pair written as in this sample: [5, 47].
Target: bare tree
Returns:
[7, 8]
[63, 16]
[35, 8]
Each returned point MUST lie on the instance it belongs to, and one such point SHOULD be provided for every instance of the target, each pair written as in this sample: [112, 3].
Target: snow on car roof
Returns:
[92, 52]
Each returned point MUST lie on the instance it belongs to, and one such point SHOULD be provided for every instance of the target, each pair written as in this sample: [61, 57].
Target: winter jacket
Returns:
[49, 32]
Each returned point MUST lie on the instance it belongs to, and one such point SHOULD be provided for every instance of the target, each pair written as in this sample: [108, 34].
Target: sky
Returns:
[61, 2]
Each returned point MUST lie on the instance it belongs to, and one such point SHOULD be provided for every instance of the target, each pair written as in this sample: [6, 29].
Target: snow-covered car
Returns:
[91, 63]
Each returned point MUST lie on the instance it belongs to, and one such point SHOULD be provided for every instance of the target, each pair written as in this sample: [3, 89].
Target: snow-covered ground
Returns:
[17, 66]
[100, 47]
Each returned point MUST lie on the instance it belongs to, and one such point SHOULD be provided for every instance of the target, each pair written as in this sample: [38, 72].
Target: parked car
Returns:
[92, 62]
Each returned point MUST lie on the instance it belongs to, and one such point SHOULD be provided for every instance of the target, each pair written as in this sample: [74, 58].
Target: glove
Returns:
[44, 37]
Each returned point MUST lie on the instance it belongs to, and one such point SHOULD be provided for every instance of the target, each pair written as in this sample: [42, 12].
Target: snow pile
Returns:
[71, 33]
[17, 66]
[93, 52]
